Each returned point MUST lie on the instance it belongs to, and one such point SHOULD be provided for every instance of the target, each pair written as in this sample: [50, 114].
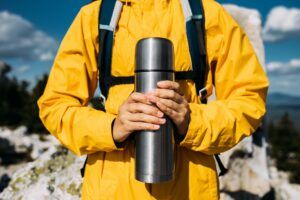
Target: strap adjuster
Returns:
[106, 27]
[102, 99]
[194, 17]
[203, 93]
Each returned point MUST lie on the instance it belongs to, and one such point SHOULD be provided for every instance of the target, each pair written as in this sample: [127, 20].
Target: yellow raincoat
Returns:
[239, 80]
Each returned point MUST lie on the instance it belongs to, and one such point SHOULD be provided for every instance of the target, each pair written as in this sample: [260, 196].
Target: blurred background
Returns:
[265, 166]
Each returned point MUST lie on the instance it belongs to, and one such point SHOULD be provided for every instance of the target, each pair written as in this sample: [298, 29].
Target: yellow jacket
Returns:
[239, 80]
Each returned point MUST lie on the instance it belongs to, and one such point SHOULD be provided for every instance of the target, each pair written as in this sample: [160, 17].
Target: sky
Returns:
[31, 31]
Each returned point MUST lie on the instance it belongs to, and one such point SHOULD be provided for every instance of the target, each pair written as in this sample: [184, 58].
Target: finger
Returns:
[170, 104]
[168, 111]
[138, 97]
[169, 85]
[144, 108]
[165, 94]
[141, 117]
[141, 126]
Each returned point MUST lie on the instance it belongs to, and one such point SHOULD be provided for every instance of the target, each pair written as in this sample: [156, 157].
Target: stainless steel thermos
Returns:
[154, 159]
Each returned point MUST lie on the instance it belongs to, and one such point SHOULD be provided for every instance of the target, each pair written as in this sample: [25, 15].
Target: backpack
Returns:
[109, 13]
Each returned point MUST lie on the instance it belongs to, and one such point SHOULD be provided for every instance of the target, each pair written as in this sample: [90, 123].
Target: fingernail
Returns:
[156, 126]
[162, 120]
[158, 103]
[160, 114]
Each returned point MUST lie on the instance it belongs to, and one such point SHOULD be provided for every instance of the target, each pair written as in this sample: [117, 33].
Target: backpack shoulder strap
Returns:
[109, 14]
[195, 30]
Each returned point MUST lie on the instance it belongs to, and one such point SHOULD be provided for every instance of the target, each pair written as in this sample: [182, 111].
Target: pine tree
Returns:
[285, 146]
[13, 99]
[18, 106]
[32, 121]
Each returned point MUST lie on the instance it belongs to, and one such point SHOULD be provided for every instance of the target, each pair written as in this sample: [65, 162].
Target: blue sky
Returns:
[48, 20]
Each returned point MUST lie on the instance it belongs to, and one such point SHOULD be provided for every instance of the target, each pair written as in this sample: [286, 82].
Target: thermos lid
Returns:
[154, 54]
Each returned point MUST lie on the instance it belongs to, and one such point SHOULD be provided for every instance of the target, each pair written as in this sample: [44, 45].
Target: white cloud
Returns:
[47, 56]
[284, 68]
[288, 83]
[23, 68]
[20, 39]
[282, 23]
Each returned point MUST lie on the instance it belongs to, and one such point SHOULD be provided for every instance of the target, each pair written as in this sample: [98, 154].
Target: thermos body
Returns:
[154, 159]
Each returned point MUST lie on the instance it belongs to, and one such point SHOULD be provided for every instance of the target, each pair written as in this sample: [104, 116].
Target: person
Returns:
[206, 129]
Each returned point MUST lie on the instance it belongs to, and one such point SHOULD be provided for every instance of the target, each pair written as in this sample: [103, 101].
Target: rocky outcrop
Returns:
[16, 142]
[283, 188]
[54, 175]
[17, 148]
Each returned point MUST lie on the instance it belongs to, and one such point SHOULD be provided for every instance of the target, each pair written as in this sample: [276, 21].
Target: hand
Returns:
[136, 113]
[171, 102]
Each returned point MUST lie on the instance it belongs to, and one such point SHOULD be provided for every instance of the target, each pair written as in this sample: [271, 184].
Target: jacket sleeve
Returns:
[63, 107]
[241, 87]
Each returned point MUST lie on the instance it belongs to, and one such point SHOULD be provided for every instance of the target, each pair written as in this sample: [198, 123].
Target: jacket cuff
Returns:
[178, 137]
[194, 128]
[119, 145]
[105, 138]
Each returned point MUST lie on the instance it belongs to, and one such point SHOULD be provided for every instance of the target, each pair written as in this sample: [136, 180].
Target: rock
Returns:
[54, 175]
[242, 182]
[283, 189]
[225, 196]
[287, 191]
[242, 179]
[250, 21]
[4, 181]
[17, 146]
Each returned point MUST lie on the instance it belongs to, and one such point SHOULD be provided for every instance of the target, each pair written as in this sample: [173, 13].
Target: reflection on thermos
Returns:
[154, 159]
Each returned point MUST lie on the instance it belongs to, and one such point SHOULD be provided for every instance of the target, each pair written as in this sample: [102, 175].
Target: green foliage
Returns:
[285, 146]
[13, 98]
[32, 121]
[18, 106]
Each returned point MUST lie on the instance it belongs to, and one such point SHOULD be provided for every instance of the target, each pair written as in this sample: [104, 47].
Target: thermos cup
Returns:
[154, 159]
